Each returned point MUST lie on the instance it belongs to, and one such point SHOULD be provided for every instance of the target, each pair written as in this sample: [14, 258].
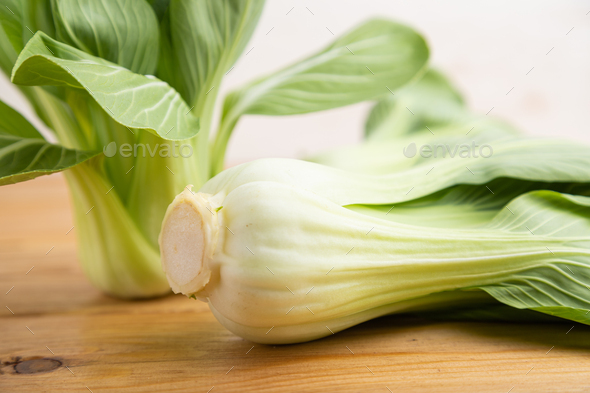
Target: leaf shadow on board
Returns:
[542, 332]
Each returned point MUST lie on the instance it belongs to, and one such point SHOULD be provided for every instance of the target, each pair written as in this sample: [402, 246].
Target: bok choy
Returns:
[281, 256]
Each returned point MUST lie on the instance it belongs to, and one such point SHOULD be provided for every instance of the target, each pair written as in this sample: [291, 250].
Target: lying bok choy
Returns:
[279, 256]
[128, 89]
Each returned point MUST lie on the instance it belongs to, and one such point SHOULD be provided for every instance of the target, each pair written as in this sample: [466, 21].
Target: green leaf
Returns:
[121, 31]
[38, 16]
[431, 101]
[7, 53]
[558, 284]
[19, 20]
[371, 61]
[24, 159]
[14, 124]
[160, 7]
[366, 63]
[464, 206]
[202, 39]
[131, 99]
[24, 154]
[11, 20]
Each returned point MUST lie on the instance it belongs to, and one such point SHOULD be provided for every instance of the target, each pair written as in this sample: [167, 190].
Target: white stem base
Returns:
[187, 240]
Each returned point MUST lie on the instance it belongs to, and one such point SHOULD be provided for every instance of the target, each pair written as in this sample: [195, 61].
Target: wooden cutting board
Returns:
[59, 334]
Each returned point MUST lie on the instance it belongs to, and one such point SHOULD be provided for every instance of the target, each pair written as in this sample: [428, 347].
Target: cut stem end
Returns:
[189, 231]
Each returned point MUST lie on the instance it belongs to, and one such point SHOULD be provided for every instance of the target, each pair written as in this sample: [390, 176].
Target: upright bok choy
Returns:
[280, 256]
[128, 89]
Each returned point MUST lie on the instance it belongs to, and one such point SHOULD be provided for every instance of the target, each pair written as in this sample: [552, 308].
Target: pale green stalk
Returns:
[114, 254]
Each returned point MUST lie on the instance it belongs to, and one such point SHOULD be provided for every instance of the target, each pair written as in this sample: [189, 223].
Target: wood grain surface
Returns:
[59, 334]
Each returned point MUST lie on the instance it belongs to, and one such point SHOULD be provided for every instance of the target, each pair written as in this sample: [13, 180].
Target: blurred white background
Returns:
[486, 47]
